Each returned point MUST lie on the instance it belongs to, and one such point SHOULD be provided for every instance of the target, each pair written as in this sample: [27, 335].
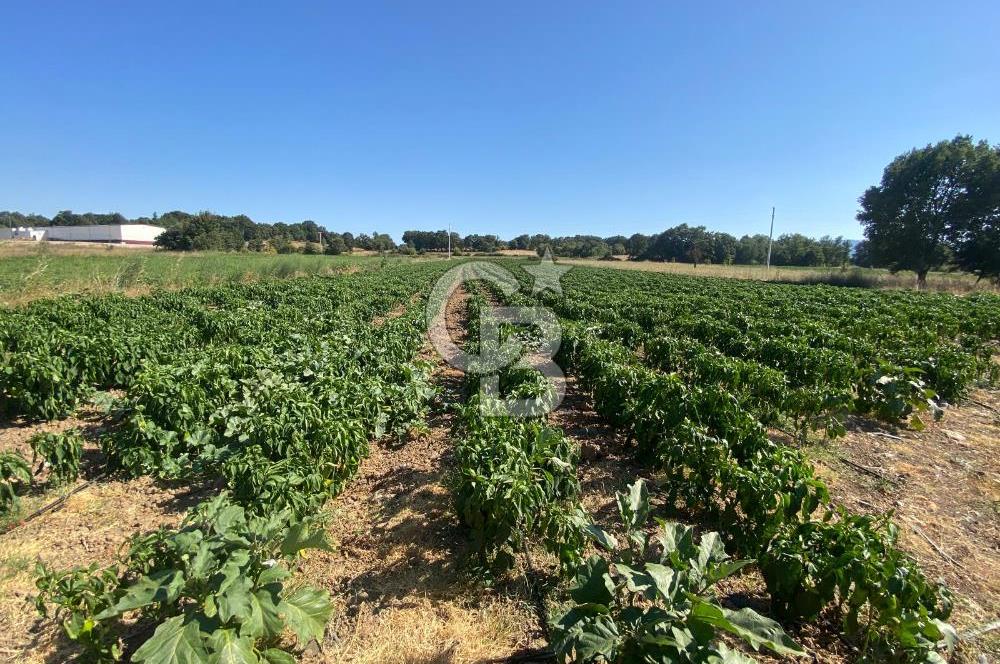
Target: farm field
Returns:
[285, 470]
[947, 282]
[29, 271]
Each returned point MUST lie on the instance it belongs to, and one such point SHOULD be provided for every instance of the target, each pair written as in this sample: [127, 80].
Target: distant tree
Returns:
[382, 242]
[348, 239]
[282, 245]
[311, 248]
[637, 245]
[862, 256]
[925, 197]
[173, 239]
[521, 242]
[335, 245]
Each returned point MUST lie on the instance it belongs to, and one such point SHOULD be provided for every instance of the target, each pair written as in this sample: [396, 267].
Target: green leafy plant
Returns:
[76, 596]
[516, 479]
[889, 607]
[13, 468]
[60, 452]
[213, 590]
[652, 600]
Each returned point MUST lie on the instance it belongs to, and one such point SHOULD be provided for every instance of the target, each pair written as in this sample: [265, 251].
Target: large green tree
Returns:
[975, 234]
[934, 205]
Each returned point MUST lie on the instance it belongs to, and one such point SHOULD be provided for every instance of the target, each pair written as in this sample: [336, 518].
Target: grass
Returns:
[30, 271]
[33, 270]
[950, 282]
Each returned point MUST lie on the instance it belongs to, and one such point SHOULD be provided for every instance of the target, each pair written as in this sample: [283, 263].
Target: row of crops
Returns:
[516, 484]
[695, 371]
[269, 393]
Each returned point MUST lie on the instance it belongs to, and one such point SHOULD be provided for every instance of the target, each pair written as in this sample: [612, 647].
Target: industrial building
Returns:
[127, 234]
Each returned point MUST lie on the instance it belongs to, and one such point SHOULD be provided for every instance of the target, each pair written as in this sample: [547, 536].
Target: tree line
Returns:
[936, 207]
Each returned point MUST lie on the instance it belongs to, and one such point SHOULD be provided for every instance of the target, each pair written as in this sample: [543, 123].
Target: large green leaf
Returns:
[634, 506]
[263, 619]
[603, 538]
[230, 648]
[747, 624]
[306, 611]
[663, 579]
[726, 655]
[299, 537]
[588, 634]
[709, 549]
[235, 600]
[593, 583]
[173, 642]
[163, 587]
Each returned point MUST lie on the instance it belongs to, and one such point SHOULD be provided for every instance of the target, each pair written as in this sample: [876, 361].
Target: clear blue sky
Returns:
[503, 117]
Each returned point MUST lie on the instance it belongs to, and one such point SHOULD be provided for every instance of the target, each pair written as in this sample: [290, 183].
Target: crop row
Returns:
[697, 414]
[515, 478]
[279, 409]
[812, 354]
[651, 600]
[53, 353]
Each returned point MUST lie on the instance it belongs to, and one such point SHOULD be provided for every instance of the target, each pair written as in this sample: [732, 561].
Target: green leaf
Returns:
[603, 538]
[724, 569]
[162, 587]
[306, 611]
[299, 538]
[726, 655]
[634, 506]
[635, 581]
[710, 549]
[235, 600]
[263, 619]
[593, 583]
[275, 656]
[587, 634]
[677, 541]
[749, 625]
[173, 642]
[229, 648]
[663, 579]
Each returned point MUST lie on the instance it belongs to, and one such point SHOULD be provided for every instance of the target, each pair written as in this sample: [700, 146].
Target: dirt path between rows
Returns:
[397, 574]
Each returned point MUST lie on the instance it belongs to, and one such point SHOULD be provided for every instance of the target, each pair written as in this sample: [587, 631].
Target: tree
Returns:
[923, 198]
[335, 245]
[975, 235]
[862, 256]
[637, 245]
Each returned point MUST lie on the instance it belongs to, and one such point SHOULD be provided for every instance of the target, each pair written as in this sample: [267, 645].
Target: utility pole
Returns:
[770, 239]
[449, 241]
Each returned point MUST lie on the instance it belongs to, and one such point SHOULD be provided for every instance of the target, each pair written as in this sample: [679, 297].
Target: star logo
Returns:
[547, 274]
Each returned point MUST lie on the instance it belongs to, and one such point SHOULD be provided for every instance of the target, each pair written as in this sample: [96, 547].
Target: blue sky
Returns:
[558, 117]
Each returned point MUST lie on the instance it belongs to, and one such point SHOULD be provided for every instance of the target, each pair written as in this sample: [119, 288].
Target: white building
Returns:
[130, 234]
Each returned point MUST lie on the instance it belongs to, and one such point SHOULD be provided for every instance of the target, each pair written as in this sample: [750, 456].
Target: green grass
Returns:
[32, 271]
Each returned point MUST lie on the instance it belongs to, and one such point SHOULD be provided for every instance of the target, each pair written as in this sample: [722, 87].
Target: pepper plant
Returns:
[13, 468]
[60, 452]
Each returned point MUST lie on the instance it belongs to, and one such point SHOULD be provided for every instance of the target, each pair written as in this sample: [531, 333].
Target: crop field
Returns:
[280, 470]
